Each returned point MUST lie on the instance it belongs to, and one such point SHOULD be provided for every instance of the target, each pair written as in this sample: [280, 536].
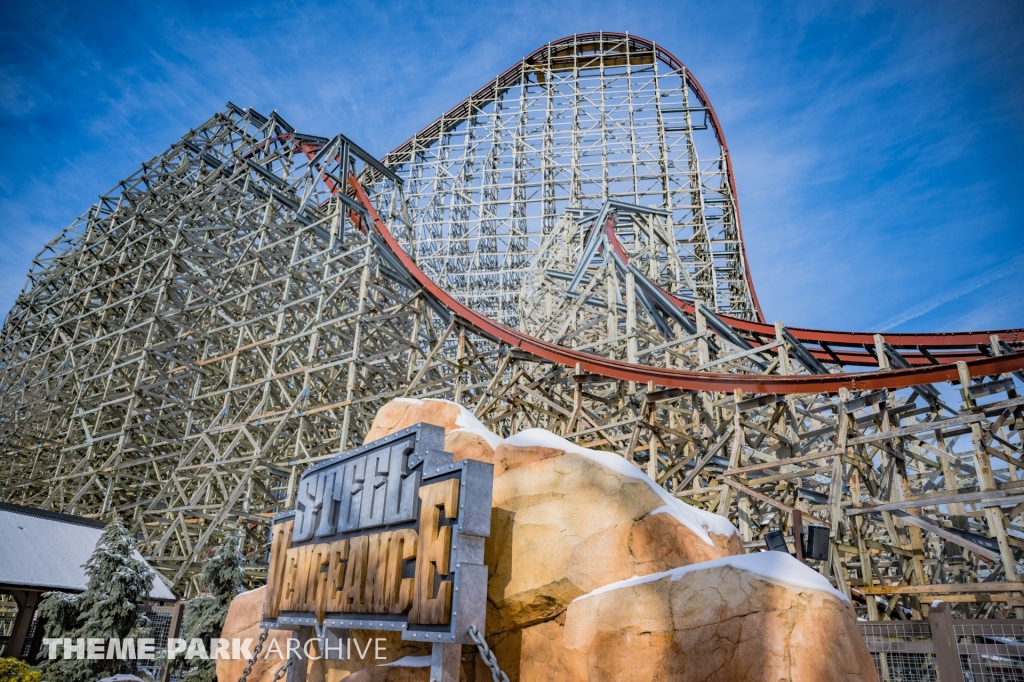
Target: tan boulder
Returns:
[465, 436]
[734, 621]
[243, 621]
[658, 542]
[548, 547]
[545, 659]
[567, 522]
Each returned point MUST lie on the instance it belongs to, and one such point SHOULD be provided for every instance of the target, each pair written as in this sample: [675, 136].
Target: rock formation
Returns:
[598, 574]
[752, 617]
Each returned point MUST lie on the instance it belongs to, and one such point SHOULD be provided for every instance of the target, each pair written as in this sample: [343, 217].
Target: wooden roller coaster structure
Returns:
[561, 250]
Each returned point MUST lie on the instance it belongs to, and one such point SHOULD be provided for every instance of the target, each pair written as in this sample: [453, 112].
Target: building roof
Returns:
[41, 550]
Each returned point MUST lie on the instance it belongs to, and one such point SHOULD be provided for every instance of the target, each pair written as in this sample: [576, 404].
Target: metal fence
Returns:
[8, 611]
[990, 649]
[161, 620]
[903, 651]
[942, 649]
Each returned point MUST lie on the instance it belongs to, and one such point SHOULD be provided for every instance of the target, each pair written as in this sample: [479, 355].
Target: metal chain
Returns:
[283, 670]
[485, 652]
[255, 653]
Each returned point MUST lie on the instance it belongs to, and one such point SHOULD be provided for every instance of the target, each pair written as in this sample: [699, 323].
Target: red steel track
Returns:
[845, 348]
[948, 347]
[550, 51]
[944, 347]
[686, 379]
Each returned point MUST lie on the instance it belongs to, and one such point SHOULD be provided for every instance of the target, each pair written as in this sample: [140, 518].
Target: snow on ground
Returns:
[775, 567]
[697, 520]
[410, 662]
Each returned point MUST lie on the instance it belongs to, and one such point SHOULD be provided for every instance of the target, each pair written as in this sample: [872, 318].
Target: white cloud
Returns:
[1011, 267]
[856, 130]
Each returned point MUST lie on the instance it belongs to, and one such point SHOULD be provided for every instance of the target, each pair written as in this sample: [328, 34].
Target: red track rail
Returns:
[678, 378]
[929, 340]
[948, 347]
[510, 76]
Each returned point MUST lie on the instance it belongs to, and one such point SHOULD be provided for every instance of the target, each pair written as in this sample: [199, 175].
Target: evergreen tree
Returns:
[204, 616]
[118, 581]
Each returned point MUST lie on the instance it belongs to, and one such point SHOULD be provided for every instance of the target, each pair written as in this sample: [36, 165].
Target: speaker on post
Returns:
[817, 543]
[776, 542]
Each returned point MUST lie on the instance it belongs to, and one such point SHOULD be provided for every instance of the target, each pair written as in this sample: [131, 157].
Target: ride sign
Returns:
[389, 536]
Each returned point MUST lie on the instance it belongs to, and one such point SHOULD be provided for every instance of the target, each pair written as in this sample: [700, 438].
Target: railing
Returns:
[902, 651]
[942, 649]
[8, 612]
[161, 621]
[990, 649]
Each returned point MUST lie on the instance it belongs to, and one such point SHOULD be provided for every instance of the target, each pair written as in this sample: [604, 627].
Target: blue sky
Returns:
[878, 146]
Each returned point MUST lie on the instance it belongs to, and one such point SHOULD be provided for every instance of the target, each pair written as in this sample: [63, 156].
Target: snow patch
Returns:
[697, 520]
[775, 567]
[467, 421]
[410, 662]
[542, 438]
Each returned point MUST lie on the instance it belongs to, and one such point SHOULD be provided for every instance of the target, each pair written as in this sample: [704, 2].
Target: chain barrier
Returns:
[255, 654]
[497, 674]
[485, 652]
[283, 670]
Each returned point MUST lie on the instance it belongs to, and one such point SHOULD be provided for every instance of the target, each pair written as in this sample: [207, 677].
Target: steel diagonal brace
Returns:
[594, 240]
[679, 378]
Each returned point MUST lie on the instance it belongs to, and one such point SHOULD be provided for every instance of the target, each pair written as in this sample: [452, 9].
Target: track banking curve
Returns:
[919, 350]
[948, 347]
[678, 378]
[564, 51]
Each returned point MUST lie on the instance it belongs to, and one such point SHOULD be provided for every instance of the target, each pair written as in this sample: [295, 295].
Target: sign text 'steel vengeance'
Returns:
[389, 536]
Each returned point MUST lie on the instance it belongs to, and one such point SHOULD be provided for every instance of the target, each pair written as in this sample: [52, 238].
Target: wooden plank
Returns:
[434, 552]
[783, 462]
[928, 501]
[918, 428]
[764, 498]
[944, 588]
[699, 466]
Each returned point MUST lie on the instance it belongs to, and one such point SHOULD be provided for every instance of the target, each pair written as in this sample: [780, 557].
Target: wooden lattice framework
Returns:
[237, 310]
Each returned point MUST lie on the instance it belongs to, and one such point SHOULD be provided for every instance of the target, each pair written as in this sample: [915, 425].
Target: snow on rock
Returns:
[700, 522]
[697, 520]
[775, 567]
[467, 421]
[410, 662]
